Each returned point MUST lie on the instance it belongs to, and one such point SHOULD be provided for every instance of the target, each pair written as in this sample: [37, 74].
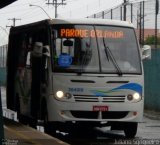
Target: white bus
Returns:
[76, 73]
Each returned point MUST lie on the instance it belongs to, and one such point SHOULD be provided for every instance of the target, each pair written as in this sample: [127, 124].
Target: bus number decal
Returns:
[75, 89]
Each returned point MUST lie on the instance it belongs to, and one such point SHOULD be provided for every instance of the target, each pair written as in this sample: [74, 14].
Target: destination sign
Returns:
[84, 33]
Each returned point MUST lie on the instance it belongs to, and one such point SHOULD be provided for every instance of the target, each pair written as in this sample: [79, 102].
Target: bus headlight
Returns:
[59, 94]
[136, 97]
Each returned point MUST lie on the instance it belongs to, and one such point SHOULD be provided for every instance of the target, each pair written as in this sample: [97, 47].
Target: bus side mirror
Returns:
[37, 49]
[146, 52]
[46, 50]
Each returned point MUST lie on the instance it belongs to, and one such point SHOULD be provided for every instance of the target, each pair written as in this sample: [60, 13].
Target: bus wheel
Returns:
[22, 119]
[49, 127]
[33, 123]
[130, 129]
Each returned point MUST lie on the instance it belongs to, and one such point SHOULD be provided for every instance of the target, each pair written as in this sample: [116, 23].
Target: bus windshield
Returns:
[95, 49]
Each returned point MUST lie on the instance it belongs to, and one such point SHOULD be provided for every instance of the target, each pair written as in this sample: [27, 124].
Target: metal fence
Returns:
[143, 14]
[3, 54]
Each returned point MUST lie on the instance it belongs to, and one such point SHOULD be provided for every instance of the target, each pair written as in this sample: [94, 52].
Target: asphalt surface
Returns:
[148, 134]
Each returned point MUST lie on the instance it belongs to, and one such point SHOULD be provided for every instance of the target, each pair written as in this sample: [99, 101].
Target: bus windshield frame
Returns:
[101, 49]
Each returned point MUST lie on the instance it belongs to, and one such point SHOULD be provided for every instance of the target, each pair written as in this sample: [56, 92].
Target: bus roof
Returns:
[86, 21]
[92, 21]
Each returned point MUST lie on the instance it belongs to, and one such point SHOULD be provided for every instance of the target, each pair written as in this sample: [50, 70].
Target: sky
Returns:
[27, 14]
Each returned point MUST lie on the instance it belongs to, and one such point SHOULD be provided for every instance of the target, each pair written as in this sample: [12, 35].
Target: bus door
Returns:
[23, 81]
[36, 62]
[39, 64]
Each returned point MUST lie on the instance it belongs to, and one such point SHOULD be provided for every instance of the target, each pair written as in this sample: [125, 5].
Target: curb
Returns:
[152, 115]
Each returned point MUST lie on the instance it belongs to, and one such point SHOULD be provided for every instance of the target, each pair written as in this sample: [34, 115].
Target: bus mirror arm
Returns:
[46, 51]
[46, 54]
[146, 52]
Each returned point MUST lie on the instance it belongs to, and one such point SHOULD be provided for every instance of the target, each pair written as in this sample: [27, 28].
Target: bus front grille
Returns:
[91, 98]
[86, 98]
[114, 114]
[94, 114]
[85, 114]
[114, 99]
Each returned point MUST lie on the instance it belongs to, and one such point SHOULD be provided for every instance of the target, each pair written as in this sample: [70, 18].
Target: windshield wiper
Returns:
[85, 60]
[109, 54]
[87, 53]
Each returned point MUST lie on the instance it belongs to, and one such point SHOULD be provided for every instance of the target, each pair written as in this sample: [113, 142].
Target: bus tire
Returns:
[48, 126]
[33, 123]
[130, 129]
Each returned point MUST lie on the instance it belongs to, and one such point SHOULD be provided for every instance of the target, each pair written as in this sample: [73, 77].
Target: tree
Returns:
[151, 40]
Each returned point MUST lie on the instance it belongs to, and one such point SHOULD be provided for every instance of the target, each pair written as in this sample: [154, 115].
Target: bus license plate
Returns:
[100, 108]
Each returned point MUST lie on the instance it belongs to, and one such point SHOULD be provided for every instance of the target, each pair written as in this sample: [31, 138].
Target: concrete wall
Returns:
[152, 81]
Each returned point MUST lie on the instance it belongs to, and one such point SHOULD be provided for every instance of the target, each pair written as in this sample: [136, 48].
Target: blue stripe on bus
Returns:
[130, 86]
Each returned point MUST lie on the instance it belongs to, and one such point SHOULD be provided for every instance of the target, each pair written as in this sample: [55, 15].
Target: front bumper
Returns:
[82, 111]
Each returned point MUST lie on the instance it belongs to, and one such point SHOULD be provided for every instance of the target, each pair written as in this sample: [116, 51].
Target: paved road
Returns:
[148, 133]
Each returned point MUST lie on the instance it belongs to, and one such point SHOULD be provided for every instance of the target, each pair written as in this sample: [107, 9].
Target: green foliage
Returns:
[151, 40]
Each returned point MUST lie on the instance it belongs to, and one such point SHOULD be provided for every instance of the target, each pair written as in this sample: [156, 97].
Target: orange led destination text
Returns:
[83, 33]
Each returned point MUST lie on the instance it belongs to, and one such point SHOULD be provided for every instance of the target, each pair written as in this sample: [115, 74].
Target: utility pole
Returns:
[140, 24]
[55, 3]
[14, 21]
[156, 14]
[143, 15]
[125, 10]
